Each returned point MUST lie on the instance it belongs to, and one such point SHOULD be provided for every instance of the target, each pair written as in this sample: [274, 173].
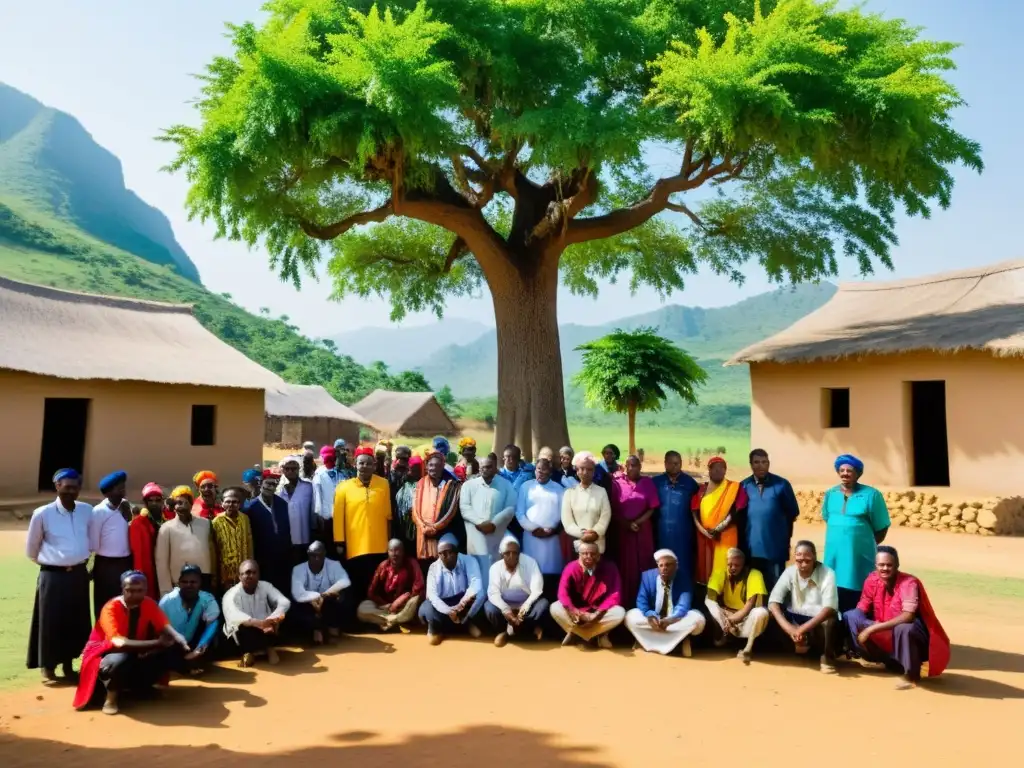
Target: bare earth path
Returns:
[391, 701]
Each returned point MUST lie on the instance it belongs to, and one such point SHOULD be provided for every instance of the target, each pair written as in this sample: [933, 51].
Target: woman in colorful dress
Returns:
[634, 501]
[717, 508]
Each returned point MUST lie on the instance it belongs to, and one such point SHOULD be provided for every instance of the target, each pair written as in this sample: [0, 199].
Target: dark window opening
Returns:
[929, 440]
[204, 419]
[65, 423]
[837, 408]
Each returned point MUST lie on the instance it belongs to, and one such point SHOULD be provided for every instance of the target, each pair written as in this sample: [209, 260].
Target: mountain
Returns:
[710, 335]
[406, 347]
[67, 221]
[51, 165]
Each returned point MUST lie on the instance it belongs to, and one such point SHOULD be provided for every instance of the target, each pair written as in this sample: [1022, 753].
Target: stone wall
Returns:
[930, 511]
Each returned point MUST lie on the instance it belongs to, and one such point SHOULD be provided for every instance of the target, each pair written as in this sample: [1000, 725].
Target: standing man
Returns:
[271, 531]
[299, 495]
[539, 512]
[674, 529]
[142, 532]
[308, 461]
[435, 508]
[108, 538]
[345, 470]
[317, 587]
[325, 483]
[513, 468]
[771, 511]
[186, 539]
[399, 468]
[232, 535]
[58, 542]
[362, 520]
[206, 505]
[251, 480]
[488, 504]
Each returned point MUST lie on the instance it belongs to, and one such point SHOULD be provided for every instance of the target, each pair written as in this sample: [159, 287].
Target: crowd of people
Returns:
[463, 543]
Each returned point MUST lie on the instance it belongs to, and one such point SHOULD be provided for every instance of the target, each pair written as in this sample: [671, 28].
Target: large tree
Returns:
[431, 148]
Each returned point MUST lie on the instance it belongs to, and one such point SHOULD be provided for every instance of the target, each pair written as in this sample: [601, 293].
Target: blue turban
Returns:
[853, 461]
[66, 474]
[132, 576]
[447, 541]
[188, 568]
[339, 443]
[112, 479]
[442, 446]
[251, 475]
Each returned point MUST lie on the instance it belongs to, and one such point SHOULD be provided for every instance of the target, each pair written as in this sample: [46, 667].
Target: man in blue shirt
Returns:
[771, 512]
[195, 615]
[675, 529]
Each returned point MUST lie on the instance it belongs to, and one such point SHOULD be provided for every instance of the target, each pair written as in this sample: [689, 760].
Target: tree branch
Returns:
[458, 249]
[331, 231]
[679, 208]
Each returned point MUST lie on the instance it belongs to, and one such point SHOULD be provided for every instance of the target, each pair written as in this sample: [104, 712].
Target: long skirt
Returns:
[106, 580]
[634, 553]
[60, 617]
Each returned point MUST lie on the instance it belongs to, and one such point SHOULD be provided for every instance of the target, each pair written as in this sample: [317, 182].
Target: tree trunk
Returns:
[632, 429]
[531, 395]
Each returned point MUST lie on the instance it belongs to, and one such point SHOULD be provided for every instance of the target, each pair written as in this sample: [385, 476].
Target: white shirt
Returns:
[483, 503]
[58, 537]
[806, 597]
[264, 603]
[308, 586]
[518, 590]
[586, 509]
[108, 536]
[540, 506]
[323, 492]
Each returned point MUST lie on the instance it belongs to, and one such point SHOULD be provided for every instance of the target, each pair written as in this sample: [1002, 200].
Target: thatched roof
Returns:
[70, 335]
[301, 401]
[980, 308]
[395, 412]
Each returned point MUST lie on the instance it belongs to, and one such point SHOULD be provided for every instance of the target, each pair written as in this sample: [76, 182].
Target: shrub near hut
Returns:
[923, 509]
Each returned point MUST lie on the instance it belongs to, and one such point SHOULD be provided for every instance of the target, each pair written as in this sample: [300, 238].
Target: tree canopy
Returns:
[633, 371]
[430, 148]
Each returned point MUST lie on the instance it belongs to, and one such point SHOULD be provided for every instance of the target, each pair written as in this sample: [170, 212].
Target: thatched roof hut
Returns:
[412, 414]
[296, 413]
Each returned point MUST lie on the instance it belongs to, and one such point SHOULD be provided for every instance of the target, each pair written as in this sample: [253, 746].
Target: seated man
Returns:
[127, 649]
[894, 622]
[317, 588]
[515, 593]
[734, 601]
[253, 612]
[663, 617]
[195, 615]
[455, 592]
[395, 591]
[589, 598]
[805, 604]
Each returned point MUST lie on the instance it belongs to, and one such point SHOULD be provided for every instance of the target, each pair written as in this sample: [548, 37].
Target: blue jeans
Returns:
[441, 623]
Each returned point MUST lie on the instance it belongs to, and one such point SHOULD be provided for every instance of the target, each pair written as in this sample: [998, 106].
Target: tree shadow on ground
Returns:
[198, 706]
[985, 659]
[495, 747]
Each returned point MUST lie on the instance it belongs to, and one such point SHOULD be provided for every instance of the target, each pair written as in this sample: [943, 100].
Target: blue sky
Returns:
[122, 67]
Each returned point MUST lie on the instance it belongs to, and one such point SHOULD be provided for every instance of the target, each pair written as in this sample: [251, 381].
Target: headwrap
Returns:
[853, 461]
[182, 491]
[339, 443]
[415, 461]
[582, 458]
[507, 540]
[112, 479]
[271, 472]
[466, 442]
[66, 474]
[424, 451]
[293, 459]
[309, 445]
[716, 460]
[448, 541]
[383, 446]
[191, 568]
[362, 450]
[328, 456]
[131, 576]
[665, 553]
[251, 475]
[203, 476]
[151, 489]
[442, 446]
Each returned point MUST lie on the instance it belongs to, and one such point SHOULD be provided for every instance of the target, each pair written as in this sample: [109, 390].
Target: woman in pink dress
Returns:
[634, 500]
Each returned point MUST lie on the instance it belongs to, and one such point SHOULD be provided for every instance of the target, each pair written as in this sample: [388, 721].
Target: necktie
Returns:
[666, 598]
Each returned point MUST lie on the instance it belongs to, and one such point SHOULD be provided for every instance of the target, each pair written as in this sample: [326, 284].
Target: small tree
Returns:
[446, 400]
[632, 371]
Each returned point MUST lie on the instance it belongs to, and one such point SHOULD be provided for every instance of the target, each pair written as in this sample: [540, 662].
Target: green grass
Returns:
[18, 577]
[992, 587]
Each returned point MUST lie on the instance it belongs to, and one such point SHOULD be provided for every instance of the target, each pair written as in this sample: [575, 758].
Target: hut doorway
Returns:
[929, 439]
[65, 422]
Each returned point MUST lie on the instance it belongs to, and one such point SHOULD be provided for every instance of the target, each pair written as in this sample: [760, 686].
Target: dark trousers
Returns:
[175, 655]
[551, 581]
[106, 580]
[328, 617]
[254, 640]
[532, 619]
[909, 643]
[132, 671]
[822, 639]
[60, 616]
[848, 599]
[441, 623]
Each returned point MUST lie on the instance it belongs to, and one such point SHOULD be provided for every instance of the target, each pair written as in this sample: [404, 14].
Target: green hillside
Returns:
[67, 221]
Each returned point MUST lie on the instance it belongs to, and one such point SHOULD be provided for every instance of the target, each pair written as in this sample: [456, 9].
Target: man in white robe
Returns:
[253, 612]
[539, 512]
[318, 586]
[664, 617]
[488, 504]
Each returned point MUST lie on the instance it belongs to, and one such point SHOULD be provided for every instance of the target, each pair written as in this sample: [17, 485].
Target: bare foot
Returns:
[272, 657]
[538, 633]
[501, 639]
[827, 667]
[569, 639]
[318, 637]
[247, 660]
[744, 656]
[905, 684]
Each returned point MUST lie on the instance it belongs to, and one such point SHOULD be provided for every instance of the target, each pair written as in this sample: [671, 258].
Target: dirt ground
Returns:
[393, 700]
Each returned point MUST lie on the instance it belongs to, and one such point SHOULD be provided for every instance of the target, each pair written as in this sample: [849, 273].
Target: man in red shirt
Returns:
[395, 591]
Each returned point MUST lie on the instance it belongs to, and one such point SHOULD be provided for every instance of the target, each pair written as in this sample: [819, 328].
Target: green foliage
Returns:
[391, 135]
[635, 370]
[446, 400]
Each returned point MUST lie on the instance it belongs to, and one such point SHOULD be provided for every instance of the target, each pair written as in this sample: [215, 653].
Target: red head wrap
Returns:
[270, 473]
[363, 450]
[415, 461]
[151, 489]
[716, 460]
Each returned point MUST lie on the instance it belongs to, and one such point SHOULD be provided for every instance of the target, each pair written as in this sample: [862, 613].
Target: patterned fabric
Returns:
[233, 539]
